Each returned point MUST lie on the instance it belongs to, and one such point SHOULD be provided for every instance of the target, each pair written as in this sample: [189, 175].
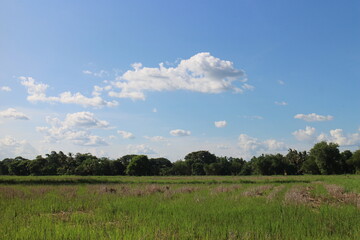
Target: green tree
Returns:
[212, 168]
[87, 164]
[68, 165]
[247, 168]
[262, 165]
[3, 169]
[310, 166]
[179, 168]
[117, 167]
[6, 165]
[159, 166]
[19, 166]
[327, 157]
[295, 161]
[126, 159]
[236, 165]
[139, 166]
[36, 166]
[196, 161]
[355, 161]
[279, 165]
[222, 166]
[344, 162]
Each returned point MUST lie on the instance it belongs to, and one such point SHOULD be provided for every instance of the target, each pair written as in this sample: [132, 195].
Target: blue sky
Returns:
[165, 78]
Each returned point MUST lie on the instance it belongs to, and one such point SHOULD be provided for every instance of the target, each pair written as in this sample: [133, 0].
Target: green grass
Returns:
[174, 208]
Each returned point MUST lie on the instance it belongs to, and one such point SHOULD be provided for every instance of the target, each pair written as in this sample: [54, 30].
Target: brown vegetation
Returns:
[339, 195]
[302, 195]
[257, 191]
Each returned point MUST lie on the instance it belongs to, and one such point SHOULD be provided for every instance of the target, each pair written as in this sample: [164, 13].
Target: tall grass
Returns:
[172, 208]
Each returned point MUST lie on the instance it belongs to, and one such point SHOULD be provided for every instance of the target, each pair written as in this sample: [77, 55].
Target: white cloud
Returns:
[200, 73]
[126, 135]
[98, 90]
[78, 98]
[37, 93]
[5, 89]
[307, 134]
[338, 136]
[155, 138]
[248, 144]
[335, 135]
[180, 133]
[281, 103]
[14, 114]
[10, 147]
[313, 117]
[75, 128]
[251, 146]
[322, 137]
[281, 82]
[132, 95]
[273, 145]
[100, 74]
[140, 149]
[220, 124]
[84, 120]
[154, 110]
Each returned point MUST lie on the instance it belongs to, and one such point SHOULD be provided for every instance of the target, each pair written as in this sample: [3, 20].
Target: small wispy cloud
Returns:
[126, 135]
[180, 133]
[5, 89]
[100, 74]
[220, 124]
[14, 114]
[313, 117]
[281, 103]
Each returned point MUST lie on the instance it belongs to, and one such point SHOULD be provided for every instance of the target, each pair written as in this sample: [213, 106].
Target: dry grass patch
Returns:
[257, 191]
[340, 196]
[139, 191]
[9, 192]
[302, 195]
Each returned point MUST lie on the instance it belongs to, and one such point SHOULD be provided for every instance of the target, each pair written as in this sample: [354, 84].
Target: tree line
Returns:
[323, 158]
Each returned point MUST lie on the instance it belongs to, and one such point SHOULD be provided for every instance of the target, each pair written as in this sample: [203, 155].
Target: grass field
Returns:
[278, 207]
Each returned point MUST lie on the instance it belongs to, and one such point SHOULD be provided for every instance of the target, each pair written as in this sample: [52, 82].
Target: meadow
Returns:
[208, 207]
